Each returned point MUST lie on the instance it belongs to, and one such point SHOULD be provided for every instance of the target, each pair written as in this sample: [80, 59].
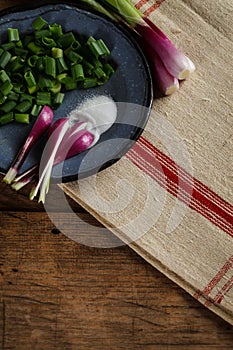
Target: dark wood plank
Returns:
[19, 200]
[58, 294]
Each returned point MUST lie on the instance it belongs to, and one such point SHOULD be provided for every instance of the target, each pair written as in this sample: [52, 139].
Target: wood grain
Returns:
[59, 294]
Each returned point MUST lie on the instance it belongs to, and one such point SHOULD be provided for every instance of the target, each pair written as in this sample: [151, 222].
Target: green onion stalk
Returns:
[168, 63]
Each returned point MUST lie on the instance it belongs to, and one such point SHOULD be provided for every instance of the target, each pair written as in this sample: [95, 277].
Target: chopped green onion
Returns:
[98, 48]
[56, 52]
[43, 98]
[6, 87]
[77, 72]
[39, 23]
[70, 83]
[5, 58]
[61, 65]
[17, 78]
[56, 30]
[27, 39]
[44, 82]
[26, 97]
[19, 88]
[18, 51]
[24, 106]
[36, 110]
[38, 69]
[100, 73]
[48, 42]
[95, 62]
[74, 57]
[66, 40]
[22, 118]
[16, 64]
[30, 79]
[58, 99]
[50, 66]
[89, 83]
[75, 45]
[8, 106]
[88, 67]
[2, 98]
[61, 77]
[12, 96]
[7, 118]
[56, 87]
[40, 63]
[108, 69]
[42, 33]
[8, 46]
[35, 48]
[4, 76]
[32, 60]
[13, 34]
[19, 44]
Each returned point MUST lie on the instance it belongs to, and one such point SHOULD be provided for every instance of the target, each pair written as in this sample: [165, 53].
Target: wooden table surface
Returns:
[58, 294]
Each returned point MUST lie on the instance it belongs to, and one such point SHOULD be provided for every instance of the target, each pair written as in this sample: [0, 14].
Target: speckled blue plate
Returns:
[130, 87]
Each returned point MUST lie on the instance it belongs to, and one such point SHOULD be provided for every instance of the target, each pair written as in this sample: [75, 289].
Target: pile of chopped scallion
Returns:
[38, 68]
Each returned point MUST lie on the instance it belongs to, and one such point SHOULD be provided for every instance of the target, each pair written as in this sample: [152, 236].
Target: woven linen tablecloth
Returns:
[170, 196]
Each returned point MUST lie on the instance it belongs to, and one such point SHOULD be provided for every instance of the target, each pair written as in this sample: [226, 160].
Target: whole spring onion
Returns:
[80, 130]
[168, 62]
[86, 117]
[77, 140]
[41, 125]
[93, 119]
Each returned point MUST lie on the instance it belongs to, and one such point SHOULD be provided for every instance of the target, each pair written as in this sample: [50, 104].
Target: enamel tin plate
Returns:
[130, 87]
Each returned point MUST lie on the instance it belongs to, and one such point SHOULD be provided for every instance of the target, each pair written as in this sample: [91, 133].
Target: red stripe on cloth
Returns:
[183, 193]
[199, 186]
[187, 191]
[153, 8]
[216, 279]
[141, 3]
[225, 289]
[221, 294]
